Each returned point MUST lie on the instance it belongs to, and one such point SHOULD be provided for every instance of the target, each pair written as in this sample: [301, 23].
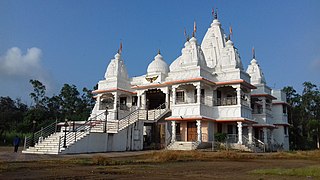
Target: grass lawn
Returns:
[170, 165]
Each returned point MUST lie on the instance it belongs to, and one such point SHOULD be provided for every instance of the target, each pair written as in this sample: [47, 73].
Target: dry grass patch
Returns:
[3, 166]
[310, 171]
[313, 155]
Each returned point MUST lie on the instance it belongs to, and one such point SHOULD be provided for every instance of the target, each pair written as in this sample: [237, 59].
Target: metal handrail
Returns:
[94, 118]
[245, 140]
[258, 143]
[227, 101]
[72, 135]
[40, 135]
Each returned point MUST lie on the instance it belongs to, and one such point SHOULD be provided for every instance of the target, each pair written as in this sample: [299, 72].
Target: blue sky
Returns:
[73, 41]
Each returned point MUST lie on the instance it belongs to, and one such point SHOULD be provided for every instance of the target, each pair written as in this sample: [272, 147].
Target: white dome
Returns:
[254, 70]
[229, 43]
[158, 65]
[116, 68]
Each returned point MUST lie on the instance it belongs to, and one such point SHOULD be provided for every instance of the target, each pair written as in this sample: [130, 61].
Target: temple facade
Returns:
[204, 99]
[203, 96]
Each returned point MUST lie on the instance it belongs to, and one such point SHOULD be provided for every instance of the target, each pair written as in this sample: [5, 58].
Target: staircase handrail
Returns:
[123, 122]
[246, 142]
[159, 108]
[72, 135]
[127, 120]
[259, 143]
[94, 118]
[40, 135]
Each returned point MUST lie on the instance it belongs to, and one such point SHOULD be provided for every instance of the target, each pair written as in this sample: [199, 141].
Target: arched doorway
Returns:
[155, 98]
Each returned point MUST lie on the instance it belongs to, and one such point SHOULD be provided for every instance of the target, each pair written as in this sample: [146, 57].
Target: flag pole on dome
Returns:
[216, 14]
[253, 53]
[212, 12]
[230, 30]
[185, 33]
[194, 28]
[120, 48]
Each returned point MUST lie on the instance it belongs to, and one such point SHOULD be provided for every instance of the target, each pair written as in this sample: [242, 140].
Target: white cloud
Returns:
[15, 63]
[17, 68]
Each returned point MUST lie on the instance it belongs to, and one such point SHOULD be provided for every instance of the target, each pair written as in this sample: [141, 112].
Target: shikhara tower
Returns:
[203, 94]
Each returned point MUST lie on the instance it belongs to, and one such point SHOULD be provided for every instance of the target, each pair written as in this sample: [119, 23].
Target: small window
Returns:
[179, 96]
[178, 128]
[284, 109]
[123, 103]
[285, 130]
[134, 100]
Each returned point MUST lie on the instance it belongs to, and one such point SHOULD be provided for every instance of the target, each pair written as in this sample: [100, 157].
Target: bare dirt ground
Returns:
[24, 166]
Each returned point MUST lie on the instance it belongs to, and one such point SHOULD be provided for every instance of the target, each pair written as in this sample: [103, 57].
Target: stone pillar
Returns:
[198, 94]
[167, 98]
[143, 100]
[199, 132]
[250, 133]
[271, 137]
[173, 95]
[115, 100]
[213, 139]
[238, 95]
[263, 105]
[173, 130]
[139, 101]
[239, 132]
[265, 136]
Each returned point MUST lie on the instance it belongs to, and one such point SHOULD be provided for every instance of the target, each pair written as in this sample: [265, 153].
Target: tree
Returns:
[70, 101]
[304, 116]
[38, 94]
[11, 114]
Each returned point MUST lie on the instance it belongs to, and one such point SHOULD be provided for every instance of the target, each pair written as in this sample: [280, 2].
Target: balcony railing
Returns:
[257, 111]
[226, 101]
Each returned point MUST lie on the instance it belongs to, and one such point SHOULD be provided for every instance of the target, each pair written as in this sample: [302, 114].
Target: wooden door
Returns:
[192, 131]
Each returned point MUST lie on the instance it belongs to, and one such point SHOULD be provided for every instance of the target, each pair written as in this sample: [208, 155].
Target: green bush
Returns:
[8, 137]
[220, 137]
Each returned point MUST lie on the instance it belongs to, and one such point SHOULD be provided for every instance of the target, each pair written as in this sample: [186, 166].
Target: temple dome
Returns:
[158, 65]
[255, 71]
[116, 68]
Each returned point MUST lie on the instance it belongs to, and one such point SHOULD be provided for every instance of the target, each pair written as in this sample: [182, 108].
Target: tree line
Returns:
[304, 116]
[17, 117]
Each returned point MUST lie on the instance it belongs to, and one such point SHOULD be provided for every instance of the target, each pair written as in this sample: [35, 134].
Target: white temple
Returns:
[203, 94]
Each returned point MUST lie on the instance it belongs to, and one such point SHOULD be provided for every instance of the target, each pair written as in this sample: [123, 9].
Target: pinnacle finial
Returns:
[159, 51]
[229, 37]
[120, 48]
[253, 53]
[216, 14]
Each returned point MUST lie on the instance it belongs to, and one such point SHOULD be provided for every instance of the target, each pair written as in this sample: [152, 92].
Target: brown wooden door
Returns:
[192, 131]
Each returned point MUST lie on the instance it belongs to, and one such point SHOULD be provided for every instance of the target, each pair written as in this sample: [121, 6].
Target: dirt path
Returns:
[7, 154]
[26, 166]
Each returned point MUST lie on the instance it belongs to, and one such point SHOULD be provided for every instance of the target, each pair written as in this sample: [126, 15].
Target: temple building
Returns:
[202, 98]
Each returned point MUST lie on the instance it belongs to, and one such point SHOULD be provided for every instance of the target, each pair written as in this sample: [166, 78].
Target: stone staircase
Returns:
[184, 146]
[54, 143]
